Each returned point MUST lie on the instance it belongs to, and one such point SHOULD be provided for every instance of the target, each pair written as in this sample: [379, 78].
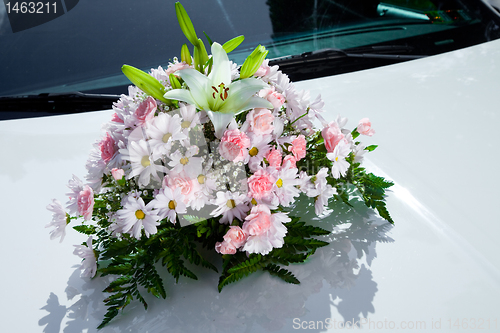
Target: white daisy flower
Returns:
[89, 264]
[135, 215]
[259, 147]
[143, 165]
[76, 186]
[340, 165]
[230, 205]
[286, 181]
[192, 166]
[169, 203]
[323, 191]
[191, 117]
[59, 220]
[164, 131]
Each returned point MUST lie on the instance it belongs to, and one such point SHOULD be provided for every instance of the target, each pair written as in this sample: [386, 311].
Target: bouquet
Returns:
[208, 156]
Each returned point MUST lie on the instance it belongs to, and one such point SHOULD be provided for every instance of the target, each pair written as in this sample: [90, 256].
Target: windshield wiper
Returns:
[333, 61]
[25, 106]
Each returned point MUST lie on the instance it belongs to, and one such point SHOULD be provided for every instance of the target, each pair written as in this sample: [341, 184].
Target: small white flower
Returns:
[169, 203]
[164, 131]
[59, 220]
[142, 161]
[340, 165]
[231, 205]
[286, 181]
[192, 166]
[323, 191]
[136, 214]
[76, 186]
[89, 264]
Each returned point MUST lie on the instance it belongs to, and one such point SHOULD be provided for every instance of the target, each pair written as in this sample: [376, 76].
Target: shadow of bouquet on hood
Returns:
[336, 276]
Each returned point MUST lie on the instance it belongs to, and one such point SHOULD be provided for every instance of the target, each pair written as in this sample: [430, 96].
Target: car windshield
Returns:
[84, 48]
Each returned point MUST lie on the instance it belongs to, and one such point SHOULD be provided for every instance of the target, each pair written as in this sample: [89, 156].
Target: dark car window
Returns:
[84, 49]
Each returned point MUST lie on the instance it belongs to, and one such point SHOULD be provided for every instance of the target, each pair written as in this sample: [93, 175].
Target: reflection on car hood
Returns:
[436, 123]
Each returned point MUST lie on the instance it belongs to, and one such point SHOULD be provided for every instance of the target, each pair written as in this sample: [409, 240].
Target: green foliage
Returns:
[240, 269]
[85, 229]
[298, 246]
[282, 273]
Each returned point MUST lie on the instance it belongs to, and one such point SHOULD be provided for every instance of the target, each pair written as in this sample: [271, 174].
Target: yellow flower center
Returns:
[140, 214]
[253, 201]
[145, 161]
[231, 204]
[279, 182]
[184, 160]
[336, 159]
[185, 124]
[201, 179]
[166, 137]
[254, 151]
[172, 204]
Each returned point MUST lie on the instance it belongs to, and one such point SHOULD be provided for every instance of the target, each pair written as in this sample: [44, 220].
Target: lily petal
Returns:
[197, 84]
[255, 102]
[180, 95]
[241, 91]
[220, 121]
[221, 70]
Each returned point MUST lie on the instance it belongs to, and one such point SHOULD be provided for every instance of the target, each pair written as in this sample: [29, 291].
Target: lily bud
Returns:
[186, 24]
[233, 43]
[200, 56]
[145, 82]
[174, 81]
[185, 55]
[253, 62]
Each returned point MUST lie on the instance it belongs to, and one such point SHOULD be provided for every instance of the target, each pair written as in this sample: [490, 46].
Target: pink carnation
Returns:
[292, 160]
[274, 97]
[117, 173]
[176, 67]
[261, 121]
[85, 202]
[274, 158]
[116, 118]
[108, 148]
[225, 248]
[146, 110]
[298, 147]
[332, 136]
[365, 127]
[189, 186]
[236, 236]
[260, 184]
[234, 145]
[259, 220]
[264, 69]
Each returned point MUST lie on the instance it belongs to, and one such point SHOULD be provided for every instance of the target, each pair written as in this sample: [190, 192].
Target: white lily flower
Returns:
[216, 94]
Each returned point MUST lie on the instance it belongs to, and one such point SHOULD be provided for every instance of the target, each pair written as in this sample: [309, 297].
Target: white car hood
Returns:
[436, 123]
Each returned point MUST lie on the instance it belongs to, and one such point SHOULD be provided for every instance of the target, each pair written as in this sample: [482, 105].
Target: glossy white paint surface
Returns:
[436, 121]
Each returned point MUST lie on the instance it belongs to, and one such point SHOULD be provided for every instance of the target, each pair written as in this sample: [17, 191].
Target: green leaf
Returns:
[231, 44]
[186, 24]
[85, 229]
[208, 39]
[117, 269]
[145, 82]
[185, 55]
[282, 273]
[355, 133]
[371, 148]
